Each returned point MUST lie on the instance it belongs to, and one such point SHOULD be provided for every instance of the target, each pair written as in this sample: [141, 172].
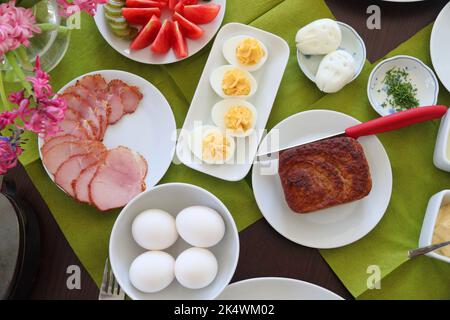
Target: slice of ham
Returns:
[70, 169]
[115, 101]
[58, 154]
[53, 141]
[87, 114]
[81, 184]
[70, 114]
[131, 97]
[73, 128]
[94, 82]
[118, 180]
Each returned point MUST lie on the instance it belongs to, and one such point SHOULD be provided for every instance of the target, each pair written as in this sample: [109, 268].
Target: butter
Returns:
[215, 147]
[236, 83]
[239, 118]
[249, 52]
[442, 230]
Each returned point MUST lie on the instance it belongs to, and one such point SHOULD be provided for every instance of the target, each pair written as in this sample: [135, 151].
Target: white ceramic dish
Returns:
[426, 235]
[145, 55]
[422, 77]
[150, 130]
[172, 197]
[332, 227]
[276, 289]
[268, 77]
[441, 150]
[440, 46]
[351, 42]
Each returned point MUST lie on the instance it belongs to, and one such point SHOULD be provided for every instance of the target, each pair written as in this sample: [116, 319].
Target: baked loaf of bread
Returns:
[325, 173]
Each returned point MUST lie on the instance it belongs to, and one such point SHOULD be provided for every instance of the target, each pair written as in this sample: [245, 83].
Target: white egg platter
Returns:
[174, 241]
[211, 101]
[325, 40]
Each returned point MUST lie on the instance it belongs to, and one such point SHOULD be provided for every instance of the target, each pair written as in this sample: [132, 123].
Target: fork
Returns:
[110, 289]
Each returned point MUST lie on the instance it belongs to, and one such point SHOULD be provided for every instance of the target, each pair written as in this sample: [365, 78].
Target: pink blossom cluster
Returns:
[69, 7]
[17, 26]
[9, 151]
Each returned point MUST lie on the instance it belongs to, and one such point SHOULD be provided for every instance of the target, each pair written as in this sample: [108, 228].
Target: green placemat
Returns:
[410, 151]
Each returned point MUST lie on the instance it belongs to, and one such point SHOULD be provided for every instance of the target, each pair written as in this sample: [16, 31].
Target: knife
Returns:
[383, 124]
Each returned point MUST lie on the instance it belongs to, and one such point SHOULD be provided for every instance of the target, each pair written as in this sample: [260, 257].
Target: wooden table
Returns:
[263, 251]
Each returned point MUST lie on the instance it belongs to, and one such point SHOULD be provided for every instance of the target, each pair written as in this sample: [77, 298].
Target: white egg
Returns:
[335, 71]
[221, 111]
[231, 46]
[203, 151]
[200, 226]
[154, 229]
[217, 77]
[196, 268]
[152, 271]
[319, 37]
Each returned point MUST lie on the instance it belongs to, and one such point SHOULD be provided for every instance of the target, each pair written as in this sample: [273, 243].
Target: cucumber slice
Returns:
[113, 12]
[119, 19]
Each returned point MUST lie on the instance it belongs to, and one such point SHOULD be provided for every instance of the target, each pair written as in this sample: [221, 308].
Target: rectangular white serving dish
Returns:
[426, 235]
[268, 77]
[440, 157]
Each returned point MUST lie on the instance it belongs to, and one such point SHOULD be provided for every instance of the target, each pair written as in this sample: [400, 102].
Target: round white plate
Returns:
[173, 197]
[351, 42]
[332, 227]
[422, 77]
[150, 130]
[440, 46]
[276, 289]
[146, 55]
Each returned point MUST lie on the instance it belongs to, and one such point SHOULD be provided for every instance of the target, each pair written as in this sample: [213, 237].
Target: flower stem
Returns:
[11, 58]
[3, 96]
[24, 59]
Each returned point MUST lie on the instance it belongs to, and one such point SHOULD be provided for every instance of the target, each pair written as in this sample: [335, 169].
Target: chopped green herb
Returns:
[401, 93]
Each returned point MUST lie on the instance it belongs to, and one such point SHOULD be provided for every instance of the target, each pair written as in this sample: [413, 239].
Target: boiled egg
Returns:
[211, 144]
[200, 226]
[196, 268]
[335, 70]
[154, 229]
[246, 52]
[152, 271]
[236, 116]
[319, 37]
[233, 82]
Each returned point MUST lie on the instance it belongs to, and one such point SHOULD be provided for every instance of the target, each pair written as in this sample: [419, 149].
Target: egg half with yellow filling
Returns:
[236, 116]
[233, 82]
[246, 52]
[211, 144]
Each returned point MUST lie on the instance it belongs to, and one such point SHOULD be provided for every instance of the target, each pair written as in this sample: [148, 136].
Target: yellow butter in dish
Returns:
[442, 230]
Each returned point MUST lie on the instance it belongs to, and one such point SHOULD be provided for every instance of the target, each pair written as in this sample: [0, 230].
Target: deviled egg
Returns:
[246, 52]
[233, 82]
[335, 71]
[211, 144]
[319, 37]
[236, 116]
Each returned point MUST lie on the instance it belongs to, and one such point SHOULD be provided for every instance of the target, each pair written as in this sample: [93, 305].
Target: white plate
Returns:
[146, 55]
[150, 130]
[422, 77]
[440, 46]
[276, 289]
[173, 197]
[332, 227]
[351, 42]
[268, 77]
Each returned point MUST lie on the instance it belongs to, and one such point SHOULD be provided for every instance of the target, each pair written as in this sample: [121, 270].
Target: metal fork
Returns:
[110, 289]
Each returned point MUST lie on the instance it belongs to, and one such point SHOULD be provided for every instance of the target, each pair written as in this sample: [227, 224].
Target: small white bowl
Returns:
[351, 42]
[426, 235]
[441, 159]
[422, 77]
[172, 197]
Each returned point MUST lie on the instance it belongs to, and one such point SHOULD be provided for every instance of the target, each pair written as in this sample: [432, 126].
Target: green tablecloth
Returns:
[410, 151]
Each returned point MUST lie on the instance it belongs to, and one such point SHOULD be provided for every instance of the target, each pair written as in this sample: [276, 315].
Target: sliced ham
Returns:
[73, 128]
[87, 114]
[94, 82]
[53, 141]
[118, 179]
[70, 114]
[115, 101]
[131, 97]
[81, 184]
[70, 169]
[56, 155]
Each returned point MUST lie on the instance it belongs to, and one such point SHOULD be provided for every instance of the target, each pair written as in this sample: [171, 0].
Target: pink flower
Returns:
[41, 81]
[68, 8]
[17, 26]
[9, 151]
[7, 118]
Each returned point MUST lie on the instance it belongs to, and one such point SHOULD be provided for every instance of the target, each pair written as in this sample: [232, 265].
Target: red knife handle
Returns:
[396, 121]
